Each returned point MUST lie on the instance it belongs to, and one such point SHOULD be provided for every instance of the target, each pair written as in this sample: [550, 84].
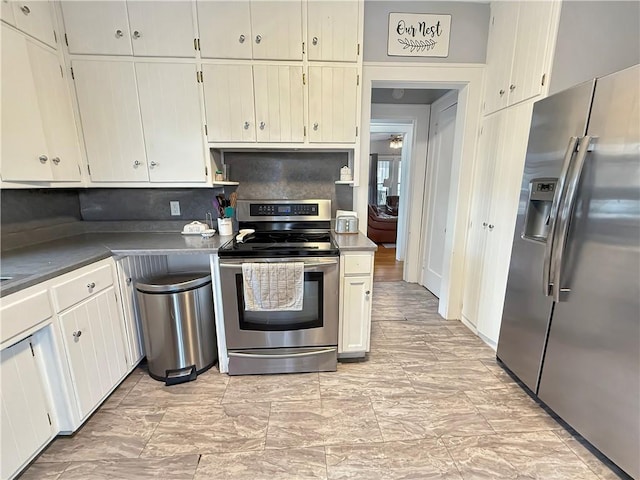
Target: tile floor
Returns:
[430, 402]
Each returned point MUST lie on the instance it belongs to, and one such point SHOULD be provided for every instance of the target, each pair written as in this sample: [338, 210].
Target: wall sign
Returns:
[418, 35]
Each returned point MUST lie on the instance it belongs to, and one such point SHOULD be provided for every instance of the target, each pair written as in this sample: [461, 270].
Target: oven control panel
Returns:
[283, 210]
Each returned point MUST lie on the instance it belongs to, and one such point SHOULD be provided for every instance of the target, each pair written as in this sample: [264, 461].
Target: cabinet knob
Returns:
[153, 164]
[129, 280]
[241, 39]
[512, 87]
[315, 126]
[77, 334]
[91, 285]
[56, 160]
[26, 10]
[246, 125]
[258, 38]
[137, 163]
[314, 41]
[491, 227]
[262, 125]
[136, 34]
[119, 33]
[367, 292]
[484, 224]
[43, 158]
[501, 92]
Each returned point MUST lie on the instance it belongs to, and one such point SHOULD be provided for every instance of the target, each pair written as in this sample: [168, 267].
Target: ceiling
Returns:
[422, 96]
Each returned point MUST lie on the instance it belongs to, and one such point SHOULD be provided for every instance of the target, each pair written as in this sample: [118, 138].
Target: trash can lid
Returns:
[173, 282]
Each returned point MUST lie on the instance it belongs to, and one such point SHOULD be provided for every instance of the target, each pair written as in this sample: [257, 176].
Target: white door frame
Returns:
[467, 79]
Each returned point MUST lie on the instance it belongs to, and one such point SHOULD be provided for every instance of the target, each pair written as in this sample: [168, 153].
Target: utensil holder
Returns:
[225, 226]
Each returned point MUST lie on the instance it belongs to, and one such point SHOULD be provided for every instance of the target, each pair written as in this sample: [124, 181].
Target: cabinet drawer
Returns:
[81, 287]
[23, 314]
[357, 264]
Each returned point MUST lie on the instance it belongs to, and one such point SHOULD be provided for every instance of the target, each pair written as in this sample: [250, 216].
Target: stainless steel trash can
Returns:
[178, 325]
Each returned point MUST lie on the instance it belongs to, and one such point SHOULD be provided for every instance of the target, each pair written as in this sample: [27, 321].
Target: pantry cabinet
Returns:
[493, 214]
[35, 18]
[39, 138]
[333, 104]
[243, 29]
[25, 421]
[519, 51]
[332, 30]
[140, 28]
[247, 103]
[116, 98]
[356, 272]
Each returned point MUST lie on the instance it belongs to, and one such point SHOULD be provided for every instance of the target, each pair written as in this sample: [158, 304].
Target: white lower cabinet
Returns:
[356, 277]
[25, 425]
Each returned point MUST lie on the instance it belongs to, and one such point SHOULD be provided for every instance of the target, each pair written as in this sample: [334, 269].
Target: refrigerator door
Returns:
[527, 308]
[591, 373]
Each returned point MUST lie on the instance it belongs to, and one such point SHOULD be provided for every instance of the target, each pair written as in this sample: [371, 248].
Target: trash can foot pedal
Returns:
[180, 375]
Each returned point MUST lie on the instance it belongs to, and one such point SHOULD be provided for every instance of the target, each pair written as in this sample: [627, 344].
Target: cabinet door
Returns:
[228, 96]
[93, 339]
[97, 27]
[24, 148]
[530, 57]
[6, 12]
[35, 17]
[332, 30]
[225, 29]
[356, 314]
[57, 115]
[172, 121]
[162, 28]
[276, 28]
[279, 106]
[500, 47]
[332, 104]
[25, 425]
[110, 115]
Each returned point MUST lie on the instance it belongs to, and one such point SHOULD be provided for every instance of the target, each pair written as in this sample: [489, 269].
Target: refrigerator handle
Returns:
[547, 270]
[565, 212]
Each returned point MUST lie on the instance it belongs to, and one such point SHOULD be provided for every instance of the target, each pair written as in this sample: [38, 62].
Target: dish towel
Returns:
[273, 287]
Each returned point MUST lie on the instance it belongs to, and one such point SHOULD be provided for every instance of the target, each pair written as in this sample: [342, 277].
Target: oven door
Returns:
[315, 325]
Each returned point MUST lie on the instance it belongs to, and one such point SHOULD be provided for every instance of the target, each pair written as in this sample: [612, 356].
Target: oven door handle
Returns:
[282, 355]
[238, 263]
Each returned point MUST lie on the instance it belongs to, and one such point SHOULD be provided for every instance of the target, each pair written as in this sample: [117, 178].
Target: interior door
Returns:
[441, 150]
[172, 121]
[332, 33]
[225, 29]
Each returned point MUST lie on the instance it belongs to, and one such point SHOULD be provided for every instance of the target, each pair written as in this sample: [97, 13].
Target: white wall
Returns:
[594, 38]
[381, 147]
[469, 29]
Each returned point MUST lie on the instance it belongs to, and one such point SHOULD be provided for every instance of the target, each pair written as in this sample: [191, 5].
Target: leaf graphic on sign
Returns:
[417, 45]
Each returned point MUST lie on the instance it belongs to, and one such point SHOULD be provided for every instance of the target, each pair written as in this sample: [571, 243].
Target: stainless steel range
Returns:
[290, 257]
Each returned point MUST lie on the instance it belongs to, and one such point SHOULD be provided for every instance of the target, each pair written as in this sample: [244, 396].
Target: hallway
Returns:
[386, 267]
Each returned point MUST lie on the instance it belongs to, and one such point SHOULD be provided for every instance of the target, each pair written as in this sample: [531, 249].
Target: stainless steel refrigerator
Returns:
[571, 323]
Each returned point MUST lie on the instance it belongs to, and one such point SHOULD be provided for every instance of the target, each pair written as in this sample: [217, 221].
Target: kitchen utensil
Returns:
[244, 233]
[233, 199]
[228, 212]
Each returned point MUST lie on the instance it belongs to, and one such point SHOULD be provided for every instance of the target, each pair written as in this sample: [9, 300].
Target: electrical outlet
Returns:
[175, 208]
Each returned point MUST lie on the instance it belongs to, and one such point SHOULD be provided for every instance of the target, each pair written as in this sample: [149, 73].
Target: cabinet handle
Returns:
[77, 334]
[258, 38]
[91, 285]
[153, 164]
[262, 125]
[315, 126]
[137, 163]
[26, 10]
[56, 160]
[314, 41]
[512, 87]
[501, 92]
[136, 34]
[119, 33]
[129, 280]
[367, 292]
[490, 227]
[241, 39]
[246, 125]
[43, 158]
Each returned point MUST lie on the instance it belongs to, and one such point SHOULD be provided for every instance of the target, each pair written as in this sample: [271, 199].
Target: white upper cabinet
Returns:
[279, 104]
[332, 30]
[35, 17]
[110, 114]
[172, 121]
[39, 139]
[332, 104]
[519, 51]
[264, 30]
[228, 96]
[149, 28]
[6, 12]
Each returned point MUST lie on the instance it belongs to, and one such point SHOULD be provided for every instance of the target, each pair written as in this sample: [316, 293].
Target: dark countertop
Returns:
[36, 263]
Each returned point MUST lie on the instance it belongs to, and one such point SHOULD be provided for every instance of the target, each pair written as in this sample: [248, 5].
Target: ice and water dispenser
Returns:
[537, 216]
